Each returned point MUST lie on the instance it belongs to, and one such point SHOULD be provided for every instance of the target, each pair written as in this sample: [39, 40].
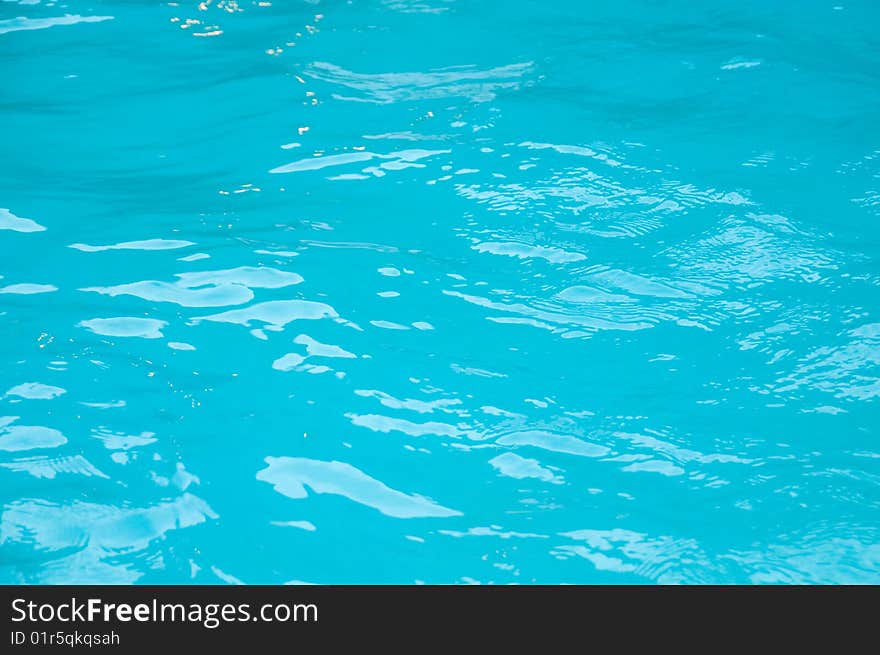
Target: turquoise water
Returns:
[432, 291]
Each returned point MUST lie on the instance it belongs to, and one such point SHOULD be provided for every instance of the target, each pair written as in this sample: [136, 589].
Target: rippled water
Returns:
[423, 290]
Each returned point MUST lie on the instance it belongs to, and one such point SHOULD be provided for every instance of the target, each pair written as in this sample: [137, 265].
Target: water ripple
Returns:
[598, 310]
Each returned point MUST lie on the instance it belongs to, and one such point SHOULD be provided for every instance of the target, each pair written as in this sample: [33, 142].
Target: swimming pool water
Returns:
[430, 291]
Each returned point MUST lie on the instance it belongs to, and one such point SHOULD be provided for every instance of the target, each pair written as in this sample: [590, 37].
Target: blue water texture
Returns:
[440, 291]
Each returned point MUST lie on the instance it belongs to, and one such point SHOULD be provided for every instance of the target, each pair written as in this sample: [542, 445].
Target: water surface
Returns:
[425, 291]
